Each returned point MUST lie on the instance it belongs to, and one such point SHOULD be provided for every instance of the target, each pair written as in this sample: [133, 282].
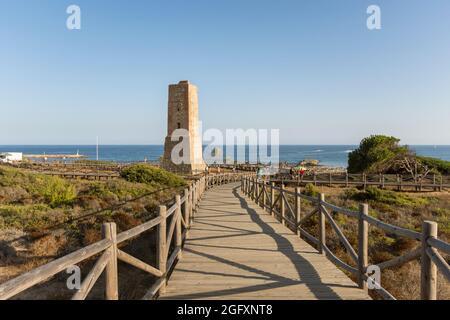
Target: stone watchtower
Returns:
[183, 114]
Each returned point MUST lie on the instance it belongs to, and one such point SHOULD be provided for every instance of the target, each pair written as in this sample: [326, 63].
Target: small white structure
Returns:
[10, 157]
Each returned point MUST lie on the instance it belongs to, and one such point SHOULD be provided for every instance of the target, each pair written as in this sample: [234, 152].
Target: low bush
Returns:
[384, 196]
[311, 190]
[438, 165]
[29, 217]
[99, 190]
[147, 174]
[58, 192]
[54, 190]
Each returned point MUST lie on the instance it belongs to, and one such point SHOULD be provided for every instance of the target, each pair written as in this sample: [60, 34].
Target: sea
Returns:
[329, 155]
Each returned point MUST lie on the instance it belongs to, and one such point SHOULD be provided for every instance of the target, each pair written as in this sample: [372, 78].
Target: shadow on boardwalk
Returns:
[237, 251]
[304, 267]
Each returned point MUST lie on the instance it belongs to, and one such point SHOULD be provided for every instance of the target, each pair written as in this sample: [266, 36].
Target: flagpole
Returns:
[97, 148]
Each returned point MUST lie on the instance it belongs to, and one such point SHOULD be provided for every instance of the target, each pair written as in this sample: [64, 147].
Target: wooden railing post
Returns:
[298, 210]
[186, 208]
[196, 190]
[263, 195]
[161, 246]
[191, 203]
[194, 195]
[254, 189]
[109, 231]
[178, 238]
[246, 185]
[363, 245]
[428, 268]
[322, 234]
[257, 199]
[283, 206]
[346, 179]
[272, 197]
[200, 194]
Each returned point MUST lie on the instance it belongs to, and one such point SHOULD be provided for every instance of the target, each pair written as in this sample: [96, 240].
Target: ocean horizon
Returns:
[329, 155]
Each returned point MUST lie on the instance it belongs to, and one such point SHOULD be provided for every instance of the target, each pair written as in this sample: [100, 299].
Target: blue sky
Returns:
[309, 68]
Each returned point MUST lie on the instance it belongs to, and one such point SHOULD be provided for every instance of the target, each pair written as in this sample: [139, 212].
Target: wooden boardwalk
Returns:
[235, 250]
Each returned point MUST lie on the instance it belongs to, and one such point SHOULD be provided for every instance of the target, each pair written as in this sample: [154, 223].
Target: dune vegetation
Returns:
[42, 214]
[403, 209]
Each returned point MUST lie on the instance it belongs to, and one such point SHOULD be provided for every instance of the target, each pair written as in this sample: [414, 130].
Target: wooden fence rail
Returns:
[172, 227]
[276, 201]
[399, 182]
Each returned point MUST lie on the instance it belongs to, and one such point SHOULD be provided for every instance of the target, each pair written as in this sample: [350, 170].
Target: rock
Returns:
[309, 162]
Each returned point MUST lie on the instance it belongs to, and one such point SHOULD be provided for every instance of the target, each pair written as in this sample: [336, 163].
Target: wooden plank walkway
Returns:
[235, 250]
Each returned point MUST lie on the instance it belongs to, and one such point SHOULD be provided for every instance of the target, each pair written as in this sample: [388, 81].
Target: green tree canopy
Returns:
[375, 154]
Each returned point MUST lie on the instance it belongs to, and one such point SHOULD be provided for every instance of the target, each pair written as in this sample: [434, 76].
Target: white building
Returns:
[9, 157]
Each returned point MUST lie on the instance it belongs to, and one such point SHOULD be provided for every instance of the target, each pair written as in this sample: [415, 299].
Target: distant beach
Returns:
[328, 155]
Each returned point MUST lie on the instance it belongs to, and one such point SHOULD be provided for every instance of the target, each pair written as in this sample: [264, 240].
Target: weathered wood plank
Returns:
[35, 276]
[92, 277]
[135, 262]
[237, 250]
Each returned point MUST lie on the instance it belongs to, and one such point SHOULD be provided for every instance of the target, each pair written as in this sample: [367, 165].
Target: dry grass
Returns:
[43, 217]
[404, 281]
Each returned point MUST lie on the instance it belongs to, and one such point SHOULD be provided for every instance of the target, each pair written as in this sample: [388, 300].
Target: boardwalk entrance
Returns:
[235, 250]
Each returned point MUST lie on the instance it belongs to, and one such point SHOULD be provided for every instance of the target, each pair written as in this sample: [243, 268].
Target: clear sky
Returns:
[308, 67]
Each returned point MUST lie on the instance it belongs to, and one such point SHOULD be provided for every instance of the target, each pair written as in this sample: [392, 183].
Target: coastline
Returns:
[328, 155]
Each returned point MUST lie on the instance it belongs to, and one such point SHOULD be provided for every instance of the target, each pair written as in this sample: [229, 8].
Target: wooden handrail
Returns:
[439, 244]
[398, 261]
[184, 207]
[379, 180]
[431, 259]
[42, 273]
[92, 277]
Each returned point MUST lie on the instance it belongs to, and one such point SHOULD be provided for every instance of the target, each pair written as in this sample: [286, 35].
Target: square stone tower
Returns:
[183, 114]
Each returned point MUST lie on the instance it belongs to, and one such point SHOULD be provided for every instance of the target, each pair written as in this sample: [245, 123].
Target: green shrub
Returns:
[99, 190]
[311, 190]
[142, 173]
[439, 166]
[28, 217]
[55, 191]
[375, 154]
[58, 192]
[384, 196]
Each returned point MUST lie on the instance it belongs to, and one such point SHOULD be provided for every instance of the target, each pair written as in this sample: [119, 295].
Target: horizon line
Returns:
[153, 144]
